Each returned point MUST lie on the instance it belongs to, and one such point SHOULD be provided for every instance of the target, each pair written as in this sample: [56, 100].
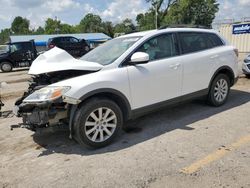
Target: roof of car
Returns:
[156, 31]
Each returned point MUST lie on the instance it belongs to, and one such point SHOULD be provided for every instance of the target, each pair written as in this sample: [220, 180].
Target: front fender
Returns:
[114, 80]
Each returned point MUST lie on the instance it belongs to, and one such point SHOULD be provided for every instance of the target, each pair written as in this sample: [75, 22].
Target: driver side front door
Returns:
[160, 79]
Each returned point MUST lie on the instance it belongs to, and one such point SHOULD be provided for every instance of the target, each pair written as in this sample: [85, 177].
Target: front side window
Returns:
[160, 47]
[15, 47]
[108, 52]
[20, 47]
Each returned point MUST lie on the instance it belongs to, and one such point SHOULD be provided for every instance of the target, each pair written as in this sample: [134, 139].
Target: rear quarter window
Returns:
[215, 39]
[55, 40]
[197, 41]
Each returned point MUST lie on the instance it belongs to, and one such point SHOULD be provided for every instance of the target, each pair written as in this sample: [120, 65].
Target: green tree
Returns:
[196, 12]
[20, 25]
[108, 28]
[66, 28]
[146, 21]
[91, 23]
[126, 26]
[4, 35]
[162, 8]
[52, 26]
[39, 31]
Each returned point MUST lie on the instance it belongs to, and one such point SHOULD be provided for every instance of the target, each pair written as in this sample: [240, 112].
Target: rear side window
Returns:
[73, 40]
[64, 39]
[194, 42]
[56, 40]
[26, 46]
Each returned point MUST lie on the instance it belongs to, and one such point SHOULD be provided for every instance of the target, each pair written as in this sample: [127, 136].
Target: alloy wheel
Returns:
[221, 90]
[100, 125]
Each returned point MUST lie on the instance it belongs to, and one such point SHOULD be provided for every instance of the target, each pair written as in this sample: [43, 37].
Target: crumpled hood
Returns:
[57, 59]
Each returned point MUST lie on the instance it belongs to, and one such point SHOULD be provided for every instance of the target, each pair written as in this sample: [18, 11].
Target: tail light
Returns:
[51, 46]
[236, 51]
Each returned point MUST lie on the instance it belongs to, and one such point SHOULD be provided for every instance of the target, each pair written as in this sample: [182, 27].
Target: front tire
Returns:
[248, 76]
[219, 90]
[97, 123]
[6, 66]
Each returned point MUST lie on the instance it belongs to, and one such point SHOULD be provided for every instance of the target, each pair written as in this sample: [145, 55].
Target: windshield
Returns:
[4, 48]
[108, 52]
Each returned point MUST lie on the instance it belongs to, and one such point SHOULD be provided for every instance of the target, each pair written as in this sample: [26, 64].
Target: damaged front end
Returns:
[43, 106]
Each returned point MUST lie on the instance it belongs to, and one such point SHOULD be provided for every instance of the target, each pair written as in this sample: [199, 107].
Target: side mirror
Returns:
[139, 58]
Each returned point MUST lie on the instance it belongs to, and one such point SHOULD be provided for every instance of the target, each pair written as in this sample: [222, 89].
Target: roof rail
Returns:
[184, 26]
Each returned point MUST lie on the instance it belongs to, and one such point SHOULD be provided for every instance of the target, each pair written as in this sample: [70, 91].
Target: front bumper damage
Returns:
[42, 115]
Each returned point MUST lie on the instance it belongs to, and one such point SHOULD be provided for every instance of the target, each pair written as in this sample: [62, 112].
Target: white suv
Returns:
[125, 78]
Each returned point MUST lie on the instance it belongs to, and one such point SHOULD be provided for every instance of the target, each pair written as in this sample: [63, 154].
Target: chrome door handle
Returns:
[214, 56]
[175, 66]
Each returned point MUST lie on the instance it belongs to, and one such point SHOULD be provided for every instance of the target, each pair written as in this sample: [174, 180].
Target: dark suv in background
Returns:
[72, 45]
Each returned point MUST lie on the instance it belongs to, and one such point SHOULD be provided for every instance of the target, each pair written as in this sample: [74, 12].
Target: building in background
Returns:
[93, 39]
[237, 34]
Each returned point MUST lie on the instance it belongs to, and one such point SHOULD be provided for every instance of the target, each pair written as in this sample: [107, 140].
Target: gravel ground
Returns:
[153, 154]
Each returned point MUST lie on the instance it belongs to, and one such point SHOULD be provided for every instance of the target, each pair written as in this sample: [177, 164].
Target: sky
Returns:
[72, 11]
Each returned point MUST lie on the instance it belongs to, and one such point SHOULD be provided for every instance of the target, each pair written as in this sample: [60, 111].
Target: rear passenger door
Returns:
[199, 56]
[66, 44]
[60, 42]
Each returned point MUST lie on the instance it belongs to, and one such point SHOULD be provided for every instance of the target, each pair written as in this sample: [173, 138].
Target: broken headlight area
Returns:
[49, 93]
[43, 105]
[44, 108]
[43, 114]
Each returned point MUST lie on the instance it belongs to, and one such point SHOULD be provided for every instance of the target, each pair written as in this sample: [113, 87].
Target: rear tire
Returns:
[97, 123]
[219, 90]
[6, 66]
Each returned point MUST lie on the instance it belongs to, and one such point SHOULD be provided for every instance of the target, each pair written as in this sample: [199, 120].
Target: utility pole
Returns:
[57, 30]
[156, 18]
[156, 13]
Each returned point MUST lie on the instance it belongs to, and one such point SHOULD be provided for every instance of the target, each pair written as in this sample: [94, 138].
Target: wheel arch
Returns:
[224, 70]
[119, 98]
[6, 60]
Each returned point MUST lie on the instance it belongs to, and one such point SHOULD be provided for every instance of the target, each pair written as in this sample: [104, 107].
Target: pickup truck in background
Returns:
[18, 54]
